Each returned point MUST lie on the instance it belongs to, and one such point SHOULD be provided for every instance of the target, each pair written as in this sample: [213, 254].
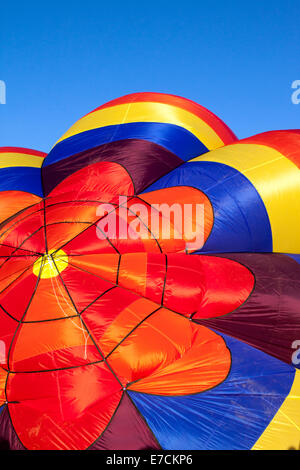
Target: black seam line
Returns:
[96, 299]
[12, 425]
[42, 209]
[12, 282]
[186, 186]
[108, 424]
[52, 370]
[8, 314]
[31, 253]
[69, 222]
[143, 418]
[85, 326]
[132, 330]
[60, 318]
[128, 290]
[23, 316]
[49, 319]
[160, 213]
[95, 223]
[45, 229]
[198, 320]
[149, 230]
[23, 271]
[165, 280]
[188, 394]
[19, 220]
[75, 201]
[118, 269]
[16, 256]
[108, 239]
[19, 247]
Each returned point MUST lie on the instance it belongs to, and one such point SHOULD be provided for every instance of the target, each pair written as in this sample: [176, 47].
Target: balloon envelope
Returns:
[127, 321]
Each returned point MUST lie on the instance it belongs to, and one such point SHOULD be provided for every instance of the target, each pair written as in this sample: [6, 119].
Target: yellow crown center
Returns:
[51, 264]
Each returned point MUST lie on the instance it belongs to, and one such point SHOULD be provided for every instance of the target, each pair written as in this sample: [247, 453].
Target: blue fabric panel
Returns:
[241, 222]
[294, 256]
[21, 179]
[230, 416]
[174, 138]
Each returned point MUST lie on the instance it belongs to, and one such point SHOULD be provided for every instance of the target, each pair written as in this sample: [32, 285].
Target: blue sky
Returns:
[61, 59]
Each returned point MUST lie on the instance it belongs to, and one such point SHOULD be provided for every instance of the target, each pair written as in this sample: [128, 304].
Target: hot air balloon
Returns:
[151, 341]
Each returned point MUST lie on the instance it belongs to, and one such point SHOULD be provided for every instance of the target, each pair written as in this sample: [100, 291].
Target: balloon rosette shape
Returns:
[136, 342]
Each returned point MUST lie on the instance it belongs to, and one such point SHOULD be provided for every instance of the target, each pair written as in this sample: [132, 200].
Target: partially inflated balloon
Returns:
[116, 336]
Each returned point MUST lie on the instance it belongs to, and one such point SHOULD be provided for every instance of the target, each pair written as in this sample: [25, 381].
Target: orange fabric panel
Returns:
[16, 297]
[22, 228]
[7, 331]
[126, 320]
[11, 202]
[89, 196]
[104, 177]
[52, 345]
[183, 197]
[103, 265]
[205, 365]
[228, 285]
[50, 301]
[65, 409]
[84, 288]
[13, 268]
[133, 270]
[87, 242]
[156, 342]
[82, 211]
[60, 234]
[101, 314]
[3, 378]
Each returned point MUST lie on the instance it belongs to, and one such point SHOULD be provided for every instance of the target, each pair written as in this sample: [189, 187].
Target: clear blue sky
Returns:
[61, 59]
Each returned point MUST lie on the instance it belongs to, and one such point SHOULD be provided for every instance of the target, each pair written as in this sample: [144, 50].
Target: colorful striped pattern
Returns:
[20, 179]
[175, 123]
[271, 163]
[20, 169]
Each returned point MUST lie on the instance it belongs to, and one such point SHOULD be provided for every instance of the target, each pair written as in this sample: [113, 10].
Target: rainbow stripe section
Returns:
[20, 179]
[20, 170]
[177, 124]
[271, 163]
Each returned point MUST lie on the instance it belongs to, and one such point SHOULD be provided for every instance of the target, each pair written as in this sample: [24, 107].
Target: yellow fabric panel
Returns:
[147, 112]
[8, 159]
[283, 432]
[53, 264]
[276, 179]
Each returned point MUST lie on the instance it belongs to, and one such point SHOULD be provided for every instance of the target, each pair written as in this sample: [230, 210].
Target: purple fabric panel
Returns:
[145, 162]
[8, 437]
[270, 318]
[126, 431]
